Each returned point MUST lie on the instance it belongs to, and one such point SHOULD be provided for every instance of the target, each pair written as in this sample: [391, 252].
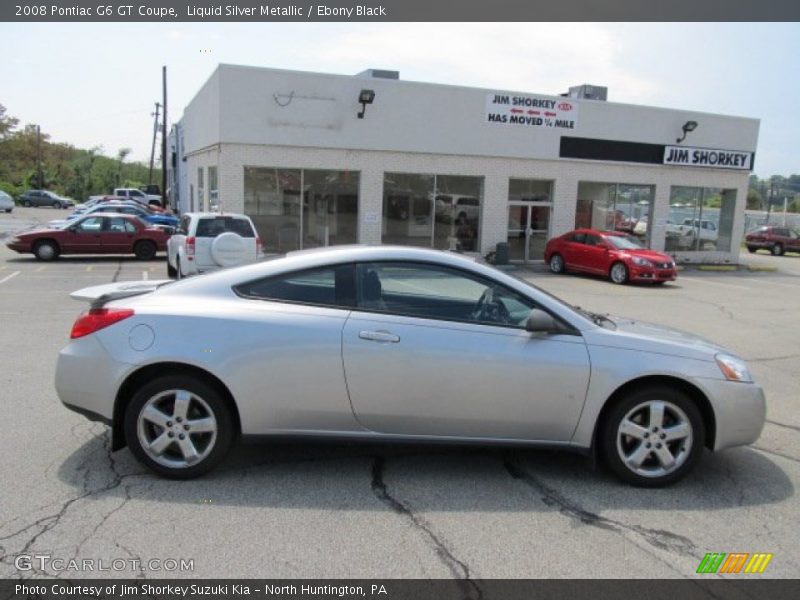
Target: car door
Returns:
[572, 249]
[595, 254]
[118, 236]
[421, 357]
[793, 241]
[85, 237]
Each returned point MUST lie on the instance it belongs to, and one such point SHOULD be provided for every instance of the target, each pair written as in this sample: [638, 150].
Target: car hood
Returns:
[642, 336]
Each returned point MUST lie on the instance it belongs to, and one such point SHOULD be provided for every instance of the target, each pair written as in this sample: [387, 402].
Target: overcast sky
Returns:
[95, 84]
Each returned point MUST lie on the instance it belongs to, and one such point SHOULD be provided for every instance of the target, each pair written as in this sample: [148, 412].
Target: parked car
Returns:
[109, 233]
[692, 233]
[352, 343]
[125, 208]
[612, 254]
[777, 240]
[6, 202]
[45, 198]
[209, 241]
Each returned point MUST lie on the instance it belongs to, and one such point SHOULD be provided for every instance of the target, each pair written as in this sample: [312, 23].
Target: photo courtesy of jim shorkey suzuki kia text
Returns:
[265, 10]
[194, 589]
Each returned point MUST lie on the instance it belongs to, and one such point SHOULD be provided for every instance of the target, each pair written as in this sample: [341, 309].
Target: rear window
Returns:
[214, 226]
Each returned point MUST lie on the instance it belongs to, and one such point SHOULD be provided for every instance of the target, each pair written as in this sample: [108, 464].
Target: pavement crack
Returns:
[459, 569]
[773, 452]
[771, 358]
[786, 425]
[117, 272]
[658, 538]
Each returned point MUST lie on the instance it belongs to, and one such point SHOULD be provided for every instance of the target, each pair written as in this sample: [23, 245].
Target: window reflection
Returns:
[615, 207]
[700, 219]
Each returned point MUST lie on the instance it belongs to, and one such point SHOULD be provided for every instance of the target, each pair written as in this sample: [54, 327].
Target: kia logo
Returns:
[565, 106]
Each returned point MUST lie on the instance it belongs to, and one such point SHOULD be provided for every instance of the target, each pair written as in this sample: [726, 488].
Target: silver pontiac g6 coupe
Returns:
[388, 343]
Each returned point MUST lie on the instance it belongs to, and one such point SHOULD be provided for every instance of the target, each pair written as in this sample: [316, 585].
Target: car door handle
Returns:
[379, 336]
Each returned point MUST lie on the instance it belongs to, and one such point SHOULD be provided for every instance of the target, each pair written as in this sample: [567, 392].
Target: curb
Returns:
[758, 268]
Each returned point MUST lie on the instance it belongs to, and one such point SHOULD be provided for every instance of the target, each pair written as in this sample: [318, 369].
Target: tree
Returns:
[122, 154]
[7, 124]
[754, 200]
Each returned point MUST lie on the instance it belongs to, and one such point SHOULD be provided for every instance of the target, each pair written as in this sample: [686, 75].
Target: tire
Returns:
[145, 250]
[751, 249]
[204, 406]
[171, 271]
[624, 441]
[26, 203]
[178, 271]
[777, 249]
[8, 210]
[618, 273]
[56, 204]
[556, 264]
[46, 250]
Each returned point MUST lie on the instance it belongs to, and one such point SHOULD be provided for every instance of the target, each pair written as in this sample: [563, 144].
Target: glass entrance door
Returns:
[528, 230]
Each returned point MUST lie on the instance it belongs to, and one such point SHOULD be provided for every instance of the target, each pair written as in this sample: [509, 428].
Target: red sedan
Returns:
[106, 233]
[611, 254]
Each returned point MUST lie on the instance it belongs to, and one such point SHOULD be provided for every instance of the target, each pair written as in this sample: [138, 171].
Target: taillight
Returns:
[190, 246]
[259, 247]
[96, 319]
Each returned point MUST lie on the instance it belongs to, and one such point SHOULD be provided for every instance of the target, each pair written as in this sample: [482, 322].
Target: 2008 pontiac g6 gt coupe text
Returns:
[387, 343]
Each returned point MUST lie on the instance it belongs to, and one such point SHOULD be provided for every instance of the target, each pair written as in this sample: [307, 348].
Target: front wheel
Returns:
[46, 250]
[56, 204]
[652, 437]
[556, 263]
[144, 250]
[619, 273]
[777, 250]
[751, 249]
[178, 426]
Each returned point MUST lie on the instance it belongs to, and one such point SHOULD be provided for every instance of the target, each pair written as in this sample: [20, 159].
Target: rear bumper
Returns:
[739, 410]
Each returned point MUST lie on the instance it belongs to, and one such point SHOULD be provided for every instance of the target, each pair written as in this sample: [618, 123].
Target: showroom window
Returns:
[616, 207]
[700, 219]
[201, 199]
[433, 211]
[302, 208]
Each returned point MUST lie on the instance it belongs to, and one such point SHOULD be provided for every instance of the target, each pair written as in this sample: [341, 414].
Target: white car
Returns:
[685, 235]
[210, 241]
[6, 202]
[382, 343]
[138, 195]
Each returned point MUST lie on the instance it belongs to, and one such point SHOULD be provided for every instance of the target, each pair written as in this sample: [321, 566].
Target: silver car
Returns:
[387, 343]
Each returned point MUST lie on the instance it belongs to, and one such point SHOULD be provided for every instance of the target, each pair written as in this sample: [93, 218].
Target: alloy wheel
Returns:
[619, 273]
[556, 263]
[654, 438]
[177, 428]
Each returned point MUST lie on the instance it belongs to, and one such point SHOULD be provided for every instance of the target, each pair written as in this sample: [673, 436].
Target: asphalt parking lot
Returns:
[334, 511]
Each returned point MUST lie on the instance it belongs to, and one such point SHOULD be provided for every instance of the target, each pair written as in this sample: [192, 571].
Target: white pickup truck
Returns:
[133, 194]
[687, 234]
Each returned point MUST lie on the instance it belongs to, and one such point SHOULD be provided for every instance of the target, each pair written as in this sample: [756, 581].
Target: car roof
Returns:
[215, 214]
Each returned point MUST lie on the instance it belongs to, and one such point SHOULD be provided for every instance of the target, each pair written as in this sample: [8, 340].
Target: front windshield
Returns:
[624, 242]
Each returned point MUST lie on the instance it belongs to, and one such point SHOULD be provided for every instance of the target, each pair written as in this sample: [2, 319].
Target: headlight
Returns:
[734, 369]
[642, 262]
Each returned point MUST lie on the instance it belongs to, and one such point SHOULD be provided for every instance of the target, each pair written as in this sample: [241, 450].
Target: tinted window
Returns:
[328, 286]
[579, 238]
[781, 232]
[592, 240]
[214, 226]
[434, 292]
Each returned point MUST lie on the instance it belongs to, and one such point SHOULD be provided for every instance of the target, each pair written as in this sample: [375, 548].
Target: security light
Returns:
[687, 127]
[365, 97]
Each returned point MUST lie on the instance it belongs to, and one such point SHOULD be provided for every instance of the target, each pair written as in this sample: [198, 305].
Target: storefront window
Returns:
[327, 214]
[439, 211]
[200, 190]
[615, 207]
[700, 219]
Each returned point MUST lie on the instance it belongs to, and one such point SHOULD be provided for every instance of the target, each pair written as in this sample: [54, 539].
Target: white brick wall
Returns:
[566, 174]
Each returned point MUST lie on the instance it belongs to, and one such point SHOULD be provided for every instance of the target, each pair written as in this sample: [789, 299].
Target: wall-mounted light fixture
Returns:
[687, 127]
[365, 97]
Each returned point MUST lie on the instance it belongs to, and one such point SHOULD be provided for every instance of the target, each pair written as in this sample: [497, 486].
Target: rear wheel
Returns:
[556, 263]
[751, 249]
[178, 426]
[777, 249]
[178, 271]
[652, 437]
[144, 250]
[171, 271]
[26, 203]
[618, 273]
[46, 250]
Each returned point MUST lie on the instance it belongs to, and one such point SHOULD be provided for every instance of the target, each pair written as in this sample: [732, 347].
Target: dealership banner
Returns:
[686, 156]
[396, 10]
[525, 110]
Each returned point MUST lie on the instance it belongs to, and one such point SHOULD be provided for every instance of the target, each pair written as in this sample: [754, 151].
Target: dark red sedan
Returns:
[106, 233]
[777, 240]
[612, 254]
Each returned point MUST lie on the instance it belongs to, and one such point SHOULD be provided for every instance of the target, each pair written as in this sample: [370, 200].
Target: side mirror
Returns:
[541, 322]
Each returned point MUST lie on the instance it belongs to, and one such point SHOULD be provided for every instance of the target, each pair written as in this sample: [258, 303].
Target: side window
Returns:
[116, 224]
[435, 292]
[184, 226]
[578, 238]
[592, 240]
[91, 225]
[327, 286]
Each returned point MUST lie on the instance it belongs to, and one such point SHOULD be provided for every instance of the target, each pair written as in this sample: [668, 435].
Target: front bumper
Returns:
[652, 274]
[739, 410]
[19, 248]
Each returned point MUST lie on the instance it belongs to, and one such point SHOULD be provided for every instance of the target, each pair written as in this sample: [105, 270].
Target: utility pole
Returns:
[39, 157]
[153, 148]
[164, 161]
[771, 193]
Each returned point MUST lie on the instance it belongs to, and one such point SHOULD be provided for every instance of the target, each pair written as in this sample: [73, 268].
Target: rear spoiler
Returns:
[99, 295]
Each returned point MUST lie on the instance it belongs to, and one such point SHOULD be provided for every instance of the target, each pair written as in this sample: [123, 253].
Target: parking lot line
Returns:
[40, 269]
[7, 277]
[90, 268]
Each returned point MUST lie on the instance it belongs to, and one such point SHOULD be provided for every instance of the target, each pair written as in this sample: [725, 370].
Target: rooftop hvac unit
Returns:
[588, 92]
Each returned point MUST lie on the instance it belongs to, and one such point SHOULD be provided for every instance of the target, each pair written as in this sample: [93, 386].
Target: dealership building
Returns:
[318, 159]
